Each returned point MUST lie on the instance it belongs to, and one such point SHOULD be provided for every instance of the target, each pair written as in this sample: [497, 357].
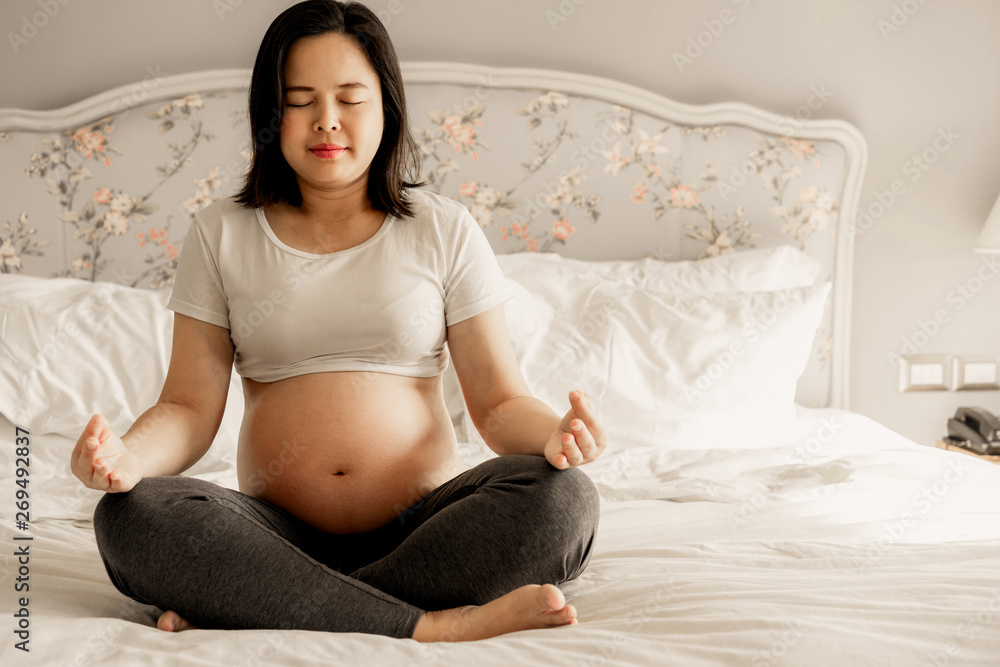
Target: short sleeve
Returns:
[198, 291]
[475, 281]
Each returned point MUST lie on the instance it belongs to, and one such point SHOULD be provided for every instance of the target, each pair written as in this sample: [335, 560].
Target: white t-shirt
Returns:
[380, 306]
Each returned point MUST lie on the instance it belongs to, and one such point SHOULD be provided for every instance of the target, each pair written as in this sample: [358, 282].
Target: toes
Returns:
[552, 597]
[555, 609]
[171, 621]
[165, 622]
[557, 617]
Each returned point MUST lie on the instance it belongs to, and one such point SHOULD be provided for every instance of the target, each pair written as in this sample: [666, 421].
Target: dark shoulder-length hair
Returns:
[271, 180]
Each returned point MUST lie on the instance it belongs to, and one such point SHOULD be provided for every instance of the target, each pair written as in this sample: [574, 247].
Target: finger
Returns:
[584, 410]
[88, 427]
[115, 481]
[558, 460]
[96, 477]
[571, 451]
[105, 430]
[90, 452]
[582, 407]
[91, 430]
[104, 469]
[584, 439]
[100, 470]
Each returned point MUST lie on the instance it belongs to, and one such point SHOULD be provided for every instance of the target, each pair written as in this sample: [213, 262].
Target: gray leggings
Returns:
[226, 560]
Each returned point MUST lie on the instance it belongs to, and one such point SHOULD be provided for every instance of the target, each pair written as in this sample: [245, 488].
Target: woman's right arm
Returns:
[174, 434]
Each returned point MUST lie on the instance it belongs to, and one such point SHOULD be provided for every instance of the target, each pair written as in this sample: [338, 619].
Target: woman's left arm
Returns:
[509, 419]
[520, 423]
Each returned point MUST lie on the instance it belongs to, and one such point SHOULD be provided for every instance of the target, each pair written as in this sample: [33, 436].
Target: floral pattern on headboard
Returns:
[108, 223]
[541, 171]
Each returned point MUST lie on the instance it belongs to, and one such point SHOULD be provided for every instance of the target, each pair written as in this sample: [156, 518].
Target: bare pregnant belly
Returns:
[347, 451]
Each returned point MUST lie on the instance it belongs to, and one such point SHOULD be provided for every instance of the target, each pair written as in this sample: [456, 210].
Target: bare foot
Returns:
[171, 621]
[524, 608]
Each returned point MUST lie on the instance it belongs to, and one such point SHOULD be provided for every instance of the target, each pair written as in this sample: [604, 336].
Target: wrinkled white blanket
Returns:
[838, 543]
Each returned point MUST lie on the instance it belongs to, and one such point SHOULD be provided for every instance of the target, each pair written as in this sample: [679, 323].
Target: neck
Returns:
[337, 207]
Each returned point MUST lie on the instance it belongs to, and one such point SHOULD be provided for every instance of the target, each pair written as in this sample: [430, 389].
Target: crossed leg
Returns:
[480, 555]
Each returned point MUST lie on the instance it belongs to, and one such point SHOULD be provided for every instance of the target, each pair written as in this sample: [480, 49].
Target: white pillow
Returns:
[674, 370]
[558, 282]
[760, 269]
[72, 348]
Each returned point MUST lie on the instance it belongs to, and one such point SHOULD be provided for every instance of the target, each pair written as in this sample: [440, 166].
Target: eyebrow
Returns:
[309, 89]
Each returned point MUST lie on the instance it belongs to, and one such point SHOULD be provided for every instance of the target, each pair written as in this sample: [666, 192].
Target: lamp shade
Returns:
[989, 238]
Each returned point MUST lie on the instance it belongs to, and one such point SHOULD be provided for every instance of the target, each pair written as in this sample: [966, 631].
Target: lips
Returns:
[327, 151]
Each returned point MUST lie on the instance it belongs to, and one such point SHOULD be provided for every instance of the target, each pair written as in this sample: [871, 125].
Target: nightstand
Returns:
[941, 444]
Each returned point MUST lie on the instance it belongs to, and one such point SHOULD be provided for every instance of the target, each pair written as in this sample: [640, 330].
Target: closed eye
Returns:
[308, 103]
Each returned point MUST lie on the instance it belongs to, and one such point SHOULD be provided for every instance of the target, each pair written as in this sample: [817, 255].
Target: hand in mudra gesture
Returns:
[102, 461]
[579, 439]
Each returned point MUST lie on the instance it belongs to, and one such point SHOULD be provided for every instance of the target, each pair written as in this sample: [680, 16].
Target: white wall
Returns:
[939, 71]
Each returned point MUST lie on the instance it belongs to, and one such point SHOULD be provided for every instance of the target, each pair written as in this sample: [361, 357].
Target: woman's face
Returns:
[333, 96]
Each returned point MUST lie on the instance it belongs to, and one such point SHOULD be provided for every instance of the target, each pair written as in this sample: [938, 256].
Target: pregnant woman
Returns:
[333, 284]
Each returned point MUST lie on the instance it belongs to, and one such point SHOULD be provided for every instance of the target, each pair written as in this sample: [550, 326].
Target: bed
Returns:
[689, 267]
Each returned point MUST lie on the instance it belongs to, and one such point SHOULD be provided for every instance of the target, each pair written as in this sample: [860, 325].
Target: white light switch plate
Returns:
[924, 372]
[976, 371]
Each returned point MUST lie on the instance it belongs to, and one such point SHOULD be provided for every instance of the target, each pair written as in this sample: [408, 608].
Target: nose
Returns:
[327, 117]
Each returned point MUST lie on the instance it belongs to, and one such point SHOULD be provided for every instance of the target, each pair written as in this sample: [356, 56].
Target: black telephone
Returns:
[975, 429]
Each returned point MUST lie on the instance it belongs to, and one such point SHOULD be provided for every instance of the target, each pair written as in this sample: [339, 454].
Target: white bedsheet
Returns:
[840, 543]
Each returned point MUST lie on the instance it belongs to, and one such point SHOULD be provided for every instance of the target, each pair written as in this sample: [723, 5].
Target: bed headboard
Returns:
[546, 161]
